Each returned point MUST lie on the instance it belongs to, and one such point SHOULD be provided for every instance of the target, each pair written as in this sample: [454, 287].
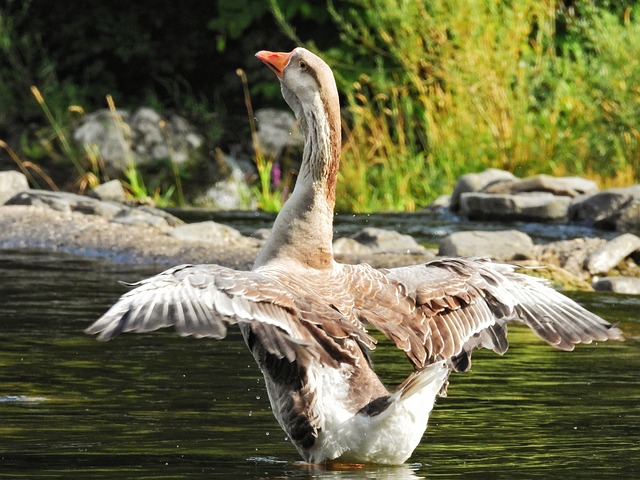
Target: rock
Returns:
[261, 234]
[474, 182]
[611, 209]
[503, 245]
[232, 193]
[440, 205]
[112, 191]
[626, 285]
[141, 138]
[349, 246]
[135, 216]
[381, 240]
[533, 206]
[171, 220]
[611, 253]
[215, 233]
[568, 254]
[628, 218]
[70, 202]
[12, 182]
[278, 130]
[560, 186]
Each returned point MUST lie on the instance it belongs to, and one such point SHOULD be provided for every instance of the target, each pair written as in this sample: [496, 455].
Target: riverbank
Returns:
[138, 234]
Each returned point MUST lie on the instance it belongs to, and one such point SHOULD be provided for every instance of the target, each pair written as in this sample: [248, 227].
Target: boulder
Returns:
[611, 253]
[560, 186]
[349, 246]
[533, 206]
[232, 193]
[112, 211]
[136, 216]
[475, 182]
[440, 205]
[570, 255]
[625, 285]
[388, 241]
[502, 245]
[261, 234]
[11, 183]
[214, 233]
[278, 130]
[141, 138]
[112, 191]
[611, 209]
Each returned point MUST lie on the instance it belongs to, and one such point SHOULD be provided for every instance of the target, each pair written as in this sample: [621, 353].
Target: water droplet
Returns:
[250, 413]
[266, 433]
[257, 397]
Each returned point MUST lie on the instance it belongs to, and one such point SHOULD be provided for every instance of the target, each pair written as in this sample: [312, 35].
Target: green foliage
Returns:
[431, 89]
[450, 87]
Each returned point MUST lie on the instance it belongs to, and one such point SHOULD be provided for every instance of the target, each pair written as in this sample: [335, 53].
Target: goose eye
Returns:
[302, 64]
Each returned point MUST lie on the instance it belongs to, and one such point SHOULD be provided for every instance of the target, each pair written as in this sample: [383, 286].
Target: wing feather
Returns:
[460, 304]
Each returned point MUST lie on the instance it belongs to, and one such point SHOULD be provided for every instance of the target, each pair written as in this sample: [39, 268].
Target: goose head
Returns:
[307, 83]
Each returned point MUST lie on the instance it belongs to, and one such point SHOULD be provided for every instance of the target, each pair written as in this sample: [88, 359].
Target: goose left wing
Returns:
[201, 300]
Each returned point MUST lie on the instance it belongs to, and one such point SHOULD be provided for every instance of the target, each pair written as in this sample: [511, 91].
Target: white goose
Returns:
[305, 317]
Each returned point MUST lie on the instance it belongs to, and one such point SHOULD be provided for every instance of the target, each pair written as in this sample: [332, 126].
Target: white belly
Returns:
[387, 438]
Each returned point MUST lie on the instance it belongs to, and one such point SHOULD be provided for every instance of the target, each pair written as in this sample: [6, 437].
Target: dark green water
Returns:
[161, 406]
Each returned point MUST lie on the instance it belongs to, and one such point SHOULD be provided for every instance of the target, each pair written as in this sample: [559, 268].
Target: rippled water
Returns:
[162, 406]
[424, 227]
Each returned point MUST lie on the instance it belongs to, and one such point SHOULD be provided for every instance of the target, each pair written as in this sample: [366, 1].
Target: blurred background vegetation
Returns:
[430, 89]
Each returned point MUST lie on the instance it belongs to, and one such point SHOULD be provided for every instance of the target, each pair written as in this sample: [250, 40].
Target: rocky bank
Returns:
[105, 225]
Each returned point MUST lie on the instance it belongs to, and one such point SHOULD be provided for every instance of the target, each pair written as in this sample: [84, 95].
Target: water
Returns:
[162, 406]
[426, 228]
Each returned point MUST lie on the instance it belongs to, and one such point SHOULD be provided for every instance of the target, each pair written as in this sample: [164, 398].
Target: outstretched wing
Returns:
[200, 300]
[446, 308]
[287, 311]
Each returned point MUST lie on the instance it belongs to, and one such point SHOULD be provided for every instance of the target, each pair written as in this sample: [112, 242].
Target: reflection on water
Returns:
[163, 406]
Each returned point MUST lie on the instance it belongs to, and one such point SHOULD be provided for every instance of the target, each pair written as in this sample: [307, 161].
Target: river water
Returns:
[162, 406]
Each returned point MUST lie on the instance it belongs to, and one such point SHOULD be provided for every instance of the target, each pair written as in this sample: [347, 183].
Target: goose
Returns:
[307, 319]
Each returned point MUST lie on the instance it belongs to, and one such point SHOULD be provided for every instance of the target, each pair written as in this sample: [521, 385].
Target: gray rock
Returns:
[232, 193]
[278, 130]
[561, 186]
[612, 209]
[112, 211]
[171, 220]
[533, 206]
[261, 234]
[626, 285]
[349, 246]
[381, 240]
[610, 254]
[12, 182]
[503, 245]
[135, 216]
[103, 133]
[214, 233]
[141, 138]
[568, 254]
[475, 182]
[439, 205]
[628, 218]
[112, 191]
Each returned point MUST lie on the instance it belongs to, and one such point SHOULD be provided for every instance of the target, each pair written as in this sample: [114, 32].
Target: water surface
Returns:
[162, 406]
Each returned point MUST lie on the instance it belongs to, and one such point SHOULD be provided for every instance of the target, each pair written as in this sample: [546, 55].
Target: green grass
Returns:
[440, 88]
[431, 90]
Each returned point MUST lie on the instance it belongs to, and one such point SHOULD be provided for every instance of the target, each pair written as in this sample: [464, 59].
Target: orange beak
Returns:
[276, 61]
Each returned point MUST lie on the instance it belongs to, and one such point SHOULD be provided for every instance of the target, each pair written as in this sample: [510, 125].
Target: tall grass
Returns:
[451, 86]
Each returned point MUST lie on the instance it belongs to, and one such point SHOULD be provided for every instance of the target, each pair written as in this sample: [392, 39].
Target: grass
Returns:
[269, 198]
[432, 90]
[86, 161]
[436, 89]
